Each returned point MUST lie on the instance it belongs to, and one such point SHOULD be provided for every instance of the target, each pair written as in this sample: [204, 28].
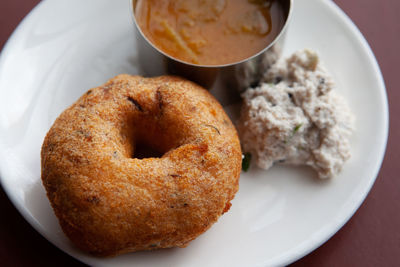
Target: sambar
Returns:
[210, 32]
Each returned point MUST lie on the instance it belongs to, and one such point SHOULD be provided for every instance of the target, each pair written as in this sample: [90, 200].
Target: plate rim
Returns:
[302, 250]
[341, 15]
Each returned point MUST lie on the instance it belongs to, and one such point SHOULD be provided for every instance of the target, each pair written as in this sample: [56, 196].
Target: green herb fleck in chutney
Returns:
[246, 159]
[297, 128]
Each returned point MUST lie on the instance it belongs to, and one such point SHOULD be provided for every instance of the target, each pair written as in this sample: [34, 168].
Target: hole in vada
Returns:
[142, 151]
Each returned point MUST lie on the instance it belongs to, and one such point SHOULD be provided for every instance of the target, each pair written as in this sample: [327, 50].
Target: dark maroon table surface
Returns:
[372, 235]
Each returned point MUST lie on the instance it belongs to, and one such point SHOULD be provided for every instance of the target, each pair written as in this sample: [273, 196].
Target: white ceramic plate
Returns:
[65, 47]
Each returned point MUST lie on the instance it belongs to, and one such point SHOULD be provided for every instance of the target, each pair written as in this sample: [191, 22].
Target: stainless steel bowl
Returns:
[234, 76]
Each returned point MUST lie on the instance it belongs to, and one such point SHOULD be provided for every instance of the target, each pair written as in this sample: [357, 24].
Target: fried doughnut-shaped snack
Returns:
[107, 199]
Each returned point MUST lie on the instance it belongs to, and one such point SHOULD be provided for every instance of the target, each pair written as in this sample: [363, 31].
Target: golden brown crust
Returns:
[109, 202]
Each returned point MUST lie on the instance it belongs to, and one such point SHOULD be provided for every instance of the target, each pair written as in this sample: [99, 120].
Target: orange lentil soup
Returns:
[209, 32]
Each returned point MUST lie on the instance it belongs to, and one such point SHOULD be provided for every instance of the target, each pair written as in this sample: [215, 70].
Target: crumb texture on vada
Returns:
[110, 201]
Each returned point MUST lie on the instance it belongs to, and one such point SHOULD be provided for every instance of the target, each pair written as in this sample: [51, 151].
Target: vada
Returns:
[111, 200]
